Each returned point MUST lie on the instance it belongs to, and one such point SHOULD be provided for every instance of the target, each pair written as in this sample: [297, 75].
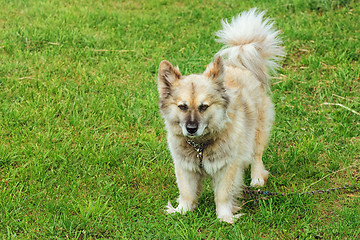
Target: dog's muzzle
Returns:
[192, 127]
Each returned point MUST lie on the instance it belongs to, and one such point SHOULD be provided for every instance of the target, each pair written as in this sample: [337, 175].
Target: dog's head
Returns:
[194, 105]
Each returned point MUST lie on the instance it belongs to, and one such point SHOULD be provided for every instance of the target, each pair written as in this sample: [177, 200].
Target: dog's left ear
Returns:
[215, 71]
[168, 74]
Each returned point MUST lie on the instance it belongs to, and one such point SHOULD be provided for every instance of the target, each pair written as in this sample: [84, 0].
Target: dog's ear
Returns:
[168, 74]
[215, 71]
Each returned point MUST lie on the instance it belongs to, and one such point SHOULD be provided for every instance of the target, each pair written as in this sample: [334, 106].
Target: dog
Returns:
[219, 122]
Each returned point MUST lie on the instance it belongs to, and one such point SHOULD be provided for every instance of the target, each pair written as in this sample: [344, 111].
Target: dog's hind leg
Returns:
[259, 175]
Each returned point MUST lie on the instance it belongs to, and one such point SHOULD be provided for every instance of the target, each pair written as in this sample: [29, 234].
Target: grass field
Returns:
[83, 151]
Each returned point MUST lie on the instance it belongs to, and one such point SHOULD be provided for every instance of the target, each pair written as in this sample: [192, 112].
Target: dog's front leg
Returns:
[227, 187]
[189, 184]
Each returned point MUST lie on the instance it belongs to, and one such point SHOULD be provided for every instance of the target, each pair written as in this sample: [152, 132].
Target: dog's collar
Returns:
[199, 148]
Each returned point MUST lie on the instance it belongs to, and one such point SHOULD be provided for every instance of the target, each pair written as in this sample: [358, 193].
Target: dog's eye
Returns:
[183, 107]
[203, 107]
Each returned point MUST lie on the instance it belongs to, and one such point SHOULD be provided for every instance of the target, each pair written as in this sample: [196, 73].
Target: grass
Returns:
[83, 150]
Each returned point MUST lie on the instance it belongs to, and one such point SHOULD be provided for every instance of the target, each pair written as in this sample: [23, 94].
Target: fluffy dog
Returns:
[219, 122]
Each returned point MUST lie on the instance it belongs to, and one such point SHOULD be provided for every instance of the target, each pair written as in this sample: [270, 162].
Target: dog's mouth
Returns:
[191, 135]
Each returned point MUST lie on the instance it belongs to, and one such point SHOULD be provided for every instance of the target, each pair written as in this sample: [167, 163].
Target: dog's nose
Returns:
[192, 127]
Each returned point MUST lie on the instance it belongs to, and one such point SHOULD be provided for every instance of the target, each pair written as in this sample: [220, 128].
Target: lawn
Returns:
[83, 151]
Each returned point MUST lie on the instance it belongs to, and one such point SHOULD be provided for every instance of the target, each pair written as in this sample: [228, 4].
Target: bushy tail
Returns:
[251, 42]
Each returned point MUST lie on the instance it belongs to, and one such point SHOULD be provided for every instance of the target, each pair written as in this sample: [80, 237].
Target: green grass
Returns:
[83, 151]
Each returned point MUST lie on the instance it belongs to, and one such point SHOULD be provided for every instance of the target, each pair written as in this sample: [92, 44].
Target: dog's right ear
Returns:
[168, 74]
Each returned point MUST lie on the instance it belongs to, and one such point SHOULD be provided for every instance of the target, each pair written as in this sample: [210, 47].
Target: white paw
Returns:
[259, 181]
[180, 209]
[225, 214]
[170, 209]
[230, 218]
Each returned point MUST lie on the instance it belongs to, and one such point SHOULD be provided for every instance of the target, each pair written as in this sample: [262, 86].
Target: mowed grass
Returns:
[83, 151]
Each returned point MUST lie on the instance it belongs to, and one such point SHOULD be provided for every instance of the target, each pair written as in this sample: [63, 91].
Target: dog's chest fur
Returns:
[233, 142]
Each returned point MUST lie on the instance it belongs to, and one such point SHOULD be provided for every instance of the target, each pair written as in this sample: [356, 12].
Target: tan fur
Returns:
[227, 110]
[240, 141]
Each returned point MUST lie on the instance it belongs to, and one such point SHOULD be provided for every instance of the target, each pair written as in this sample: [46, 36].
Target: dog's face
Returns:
[194, 105]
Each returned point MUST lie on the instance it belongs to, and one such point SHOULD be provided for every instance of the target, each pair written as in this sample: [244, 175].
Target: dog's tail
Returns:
[251, 42]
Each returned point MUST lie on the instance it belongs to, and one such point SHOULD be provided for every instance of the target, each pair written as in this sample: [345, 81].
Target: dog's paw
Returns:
[225, 213]
[259, 181]
[230, 218]
[170, 209]
[179, 209]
